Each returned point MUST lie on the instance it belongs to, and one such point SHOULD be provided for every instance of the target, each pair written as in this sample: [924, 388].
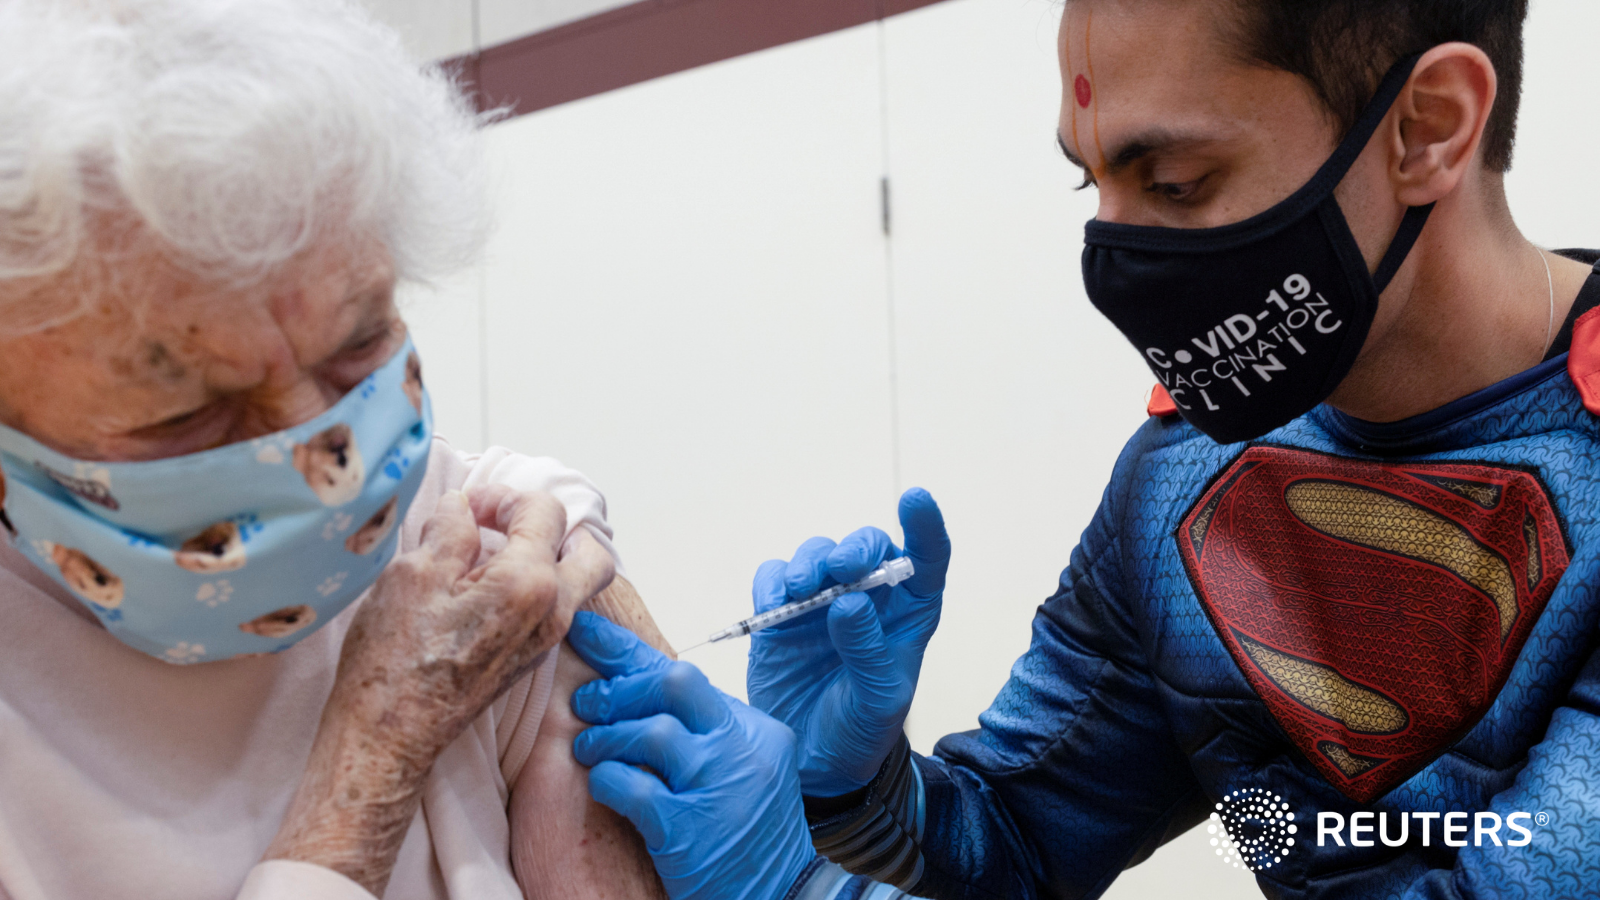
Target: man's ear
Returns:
[1441, 116]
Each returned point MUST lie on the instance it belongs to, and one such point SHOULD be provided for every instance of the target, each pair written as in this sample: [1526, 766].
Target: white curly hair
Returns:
[229, 135]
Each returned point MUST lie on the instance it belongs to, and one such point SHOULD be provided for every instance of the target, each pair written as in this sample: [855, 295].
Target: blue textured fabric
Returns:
[1127, 720]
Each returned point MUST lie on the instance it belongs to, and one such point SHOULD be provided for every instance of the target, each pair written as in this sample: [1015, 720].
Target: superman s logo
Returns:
[1376, 608]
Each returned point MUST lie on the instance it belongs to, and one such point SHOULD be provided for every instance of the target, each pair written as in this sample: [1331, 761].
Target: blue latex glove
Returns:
[843, 678]
[727, 824]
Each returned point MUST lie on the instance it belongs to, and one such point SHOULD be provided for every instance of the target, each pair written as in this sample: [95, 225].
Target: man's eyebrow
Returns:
[1138, 147]
[1061, 142]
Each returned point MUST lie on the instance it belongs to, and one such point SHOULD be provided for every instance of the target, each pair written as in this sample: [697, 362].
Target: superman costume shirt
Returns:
[1347, 617]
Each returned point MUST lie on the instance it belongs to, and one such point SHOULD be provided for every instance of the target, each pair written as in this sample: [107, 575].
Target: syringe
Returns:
[890, 573]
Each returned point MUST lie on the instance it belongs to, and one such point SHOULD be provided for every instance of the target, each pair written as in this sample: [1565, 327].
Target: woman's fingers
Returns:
[535, 525]
[525, 577]
[533, 522]
[492, 504]
[450, 536]
[586, 570]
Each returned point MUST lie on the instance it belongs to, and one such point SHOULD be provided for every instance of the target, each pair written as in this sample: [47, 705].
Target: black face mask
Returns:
[1251, 325]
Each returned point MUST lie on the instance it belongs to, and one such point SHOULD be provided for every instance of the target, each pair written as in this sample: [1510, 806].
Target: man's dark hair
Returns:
[1344, 47]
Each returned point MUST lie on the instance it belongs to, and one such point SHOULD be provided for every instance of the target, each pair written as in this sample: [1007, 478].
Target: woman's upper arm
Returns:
[563, 844]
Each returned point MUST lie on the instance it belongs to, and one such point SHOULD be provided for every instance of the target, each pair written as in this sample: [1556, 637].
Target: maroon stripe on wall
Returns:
[647, 40]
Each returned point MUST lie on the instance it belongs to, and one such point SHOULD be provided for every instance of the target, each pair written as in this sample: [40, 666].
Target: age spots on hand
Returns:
[1082, 91]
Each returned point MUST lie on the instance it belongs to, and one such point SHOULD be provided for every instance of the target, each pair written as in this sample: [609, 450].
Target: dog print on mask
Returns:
[370, 535]
[94, 490]
[413, 382]
[280, 622]
[331, 464]
[88, 578]
[217, 549]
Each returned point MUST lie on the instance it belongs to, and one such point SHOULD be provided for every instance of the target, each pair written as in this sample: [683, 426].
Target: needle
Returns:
[890, 573]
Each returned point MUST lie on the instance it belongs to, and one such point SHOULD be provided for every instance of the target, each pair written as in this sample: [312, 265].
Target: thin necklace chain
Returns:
[1550, 327]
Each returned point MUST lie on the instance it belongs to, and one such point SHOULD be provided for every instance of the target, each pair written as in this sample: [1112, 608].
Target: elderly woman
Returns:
[263, 634]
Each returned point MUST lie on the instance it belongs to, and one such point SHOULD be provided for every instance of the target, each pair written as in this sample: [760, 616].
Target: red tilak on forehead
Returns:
[1083, 92]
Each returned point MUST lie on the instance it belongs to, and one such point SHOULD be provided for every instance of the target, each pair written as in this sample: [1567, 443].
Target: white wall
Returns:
[1552, 183]
[1015, 394]
[691, 299]
[431, 29]
[687, 301]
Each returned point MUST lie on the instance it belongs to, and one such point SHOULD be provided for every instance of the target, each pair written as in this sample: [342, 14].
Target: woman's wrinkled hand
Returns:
[439, 638]
[434, 644]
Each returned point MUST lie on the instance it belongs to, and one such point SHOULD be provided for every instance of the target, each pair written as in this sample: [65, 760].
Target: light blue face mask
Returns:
[240, 550]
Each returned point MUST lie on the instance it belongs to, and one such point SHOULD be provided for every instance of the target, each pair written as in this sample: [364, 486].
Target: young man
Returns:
[1348, 568]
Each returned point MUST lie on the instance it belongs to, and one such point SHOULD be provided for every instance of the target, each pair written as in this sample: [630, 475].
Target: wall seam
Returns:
[885, 187]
